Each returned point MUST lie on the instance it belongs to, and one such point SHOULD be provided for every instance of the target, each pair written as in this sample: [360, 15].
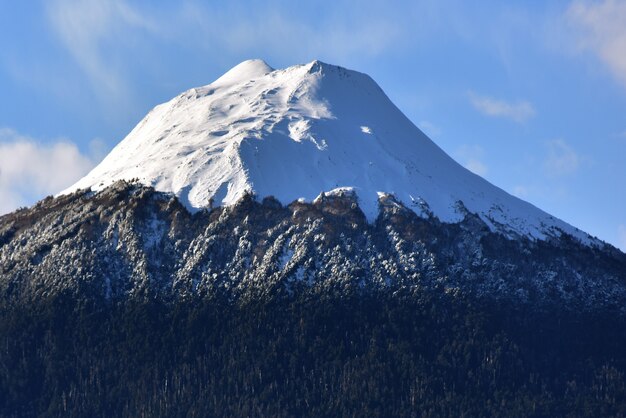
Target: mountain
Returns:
[297, 132]
[287, 243]
[303, 179]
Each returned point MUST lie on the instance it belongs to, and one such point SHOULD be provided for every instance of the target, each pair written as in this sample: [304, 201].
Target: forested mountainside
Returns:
[132, 242]
[419, 355]
[122, 303]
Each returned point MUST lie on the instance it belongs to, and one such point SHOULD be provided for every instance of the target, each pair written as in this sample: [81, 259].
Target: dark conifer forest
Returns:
[429, 356]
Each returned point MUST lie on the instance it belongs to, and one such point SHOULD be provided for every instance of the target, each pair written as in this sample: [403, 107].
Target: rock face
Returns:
[129, 241]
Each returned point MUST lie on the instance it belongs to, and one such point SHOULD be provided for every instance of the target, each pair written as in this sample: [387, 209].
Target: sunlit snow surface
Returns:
[296, 132]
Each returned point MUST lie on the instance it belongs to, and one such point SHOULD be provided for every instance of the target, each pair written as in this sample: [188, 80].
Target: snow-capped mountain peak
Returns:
[247, 70]
[297, 132]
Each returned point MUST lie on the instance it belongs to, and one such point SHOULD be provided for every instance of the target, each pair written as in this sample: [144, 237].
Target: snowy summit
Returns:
[300, 131]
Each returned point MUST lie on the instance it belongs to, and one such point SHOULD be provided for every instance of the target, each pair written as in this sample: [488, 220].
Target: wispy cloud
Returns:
[282, 29]
[85, 26]
[601, 29]
[561, 159]
[106, 38]
[30, 170]
[471, 156]
[517, 111]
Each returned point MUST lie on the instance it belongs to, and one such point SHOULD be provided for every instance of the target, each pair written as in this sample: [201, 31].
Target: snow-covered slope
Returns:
[297, 132]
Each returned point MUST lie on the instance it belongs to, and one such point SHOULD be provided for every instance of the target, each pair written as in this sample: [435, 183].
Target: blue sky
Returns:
[529, 94]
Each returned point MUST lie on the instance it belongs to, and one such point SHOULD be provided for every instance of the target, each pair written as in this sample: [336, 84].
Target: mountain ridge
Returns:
[301, 131]
[129, 241]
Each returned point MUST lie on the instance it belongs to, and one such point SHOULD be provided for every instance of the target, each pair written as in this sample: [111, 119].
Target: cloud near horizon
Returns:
[516, 111]
[30, 170]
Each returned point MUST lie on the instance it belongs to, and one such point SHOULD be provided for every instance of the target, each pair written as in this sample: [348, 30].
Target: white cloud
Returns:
[429, 129]
[84, 27]
[561, 159]
[471, 156]
[601, 29]
[517, 111]
[30, 170]
[621, 237]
